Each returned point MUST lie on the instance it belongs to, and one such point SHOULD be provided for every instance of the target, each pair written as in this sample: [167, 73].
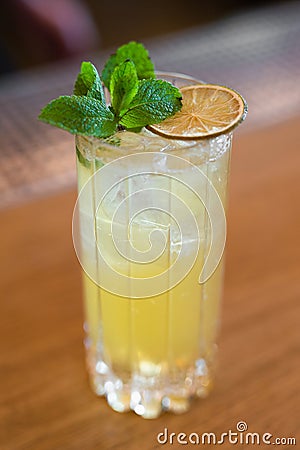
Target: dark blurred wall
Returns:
[119, 21]
[33, 32]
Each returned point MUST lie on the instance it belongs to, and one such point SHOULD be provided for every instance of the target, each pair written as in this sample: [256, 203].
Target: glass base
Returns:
[149, 394]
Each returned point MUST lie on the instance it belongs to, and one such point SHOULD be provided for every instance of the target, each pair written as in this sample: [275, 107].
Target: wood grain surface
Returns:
[46, 403]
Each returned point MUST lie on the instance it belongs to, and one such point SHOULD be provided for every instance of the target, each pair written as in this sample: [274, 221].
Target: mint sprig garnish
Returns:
[80, 115]
[137, 53]
[137, 98]
[155, 101]
[123, 86]
[89, 83]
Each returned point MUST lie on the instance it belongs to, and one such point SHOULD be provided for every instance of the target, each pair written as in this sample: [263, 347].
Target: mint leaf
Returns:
[88, 82]
[137, 53]
[123, 86]
[80, 115]
[108, 69]
[155, 101]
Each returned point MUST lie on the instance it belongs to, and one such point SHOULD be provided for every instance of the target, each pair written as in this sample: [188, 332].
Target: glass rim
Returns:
[178, 75]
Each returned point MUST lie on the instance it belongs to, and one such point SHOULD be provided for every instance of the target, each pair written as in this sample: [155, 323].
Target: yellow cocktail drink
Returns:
[163, 343]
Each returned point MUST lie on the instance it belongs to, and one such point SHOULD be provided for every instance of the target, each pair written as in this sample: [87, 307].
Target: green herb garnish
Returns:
[123, 86]
[137, 98]
[81, 115]
[89, 83]
[154, 101]
[137, 53]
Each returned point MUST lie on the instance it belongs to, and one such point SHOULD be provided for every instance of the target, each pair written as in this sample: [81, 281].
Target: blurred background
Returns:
[252, 46]
[36, 31]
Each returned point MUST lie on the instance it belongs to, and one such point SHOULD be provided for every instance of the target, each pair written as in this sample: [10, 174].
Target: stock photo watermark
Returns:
[142, 221]
[240, 435]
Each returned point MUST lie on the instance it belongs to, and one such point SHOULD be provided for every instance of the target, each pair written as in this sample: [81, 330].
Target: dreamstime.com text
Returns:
[238, 436]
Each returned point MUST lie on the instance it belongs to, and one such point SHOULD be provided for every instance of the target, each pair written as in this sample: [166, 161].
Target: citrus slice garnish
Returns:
[207, 110]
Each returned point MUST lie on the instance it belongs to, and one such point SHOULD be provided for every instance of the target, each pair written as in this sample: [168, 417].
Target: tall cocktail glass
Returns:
[149, 231]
